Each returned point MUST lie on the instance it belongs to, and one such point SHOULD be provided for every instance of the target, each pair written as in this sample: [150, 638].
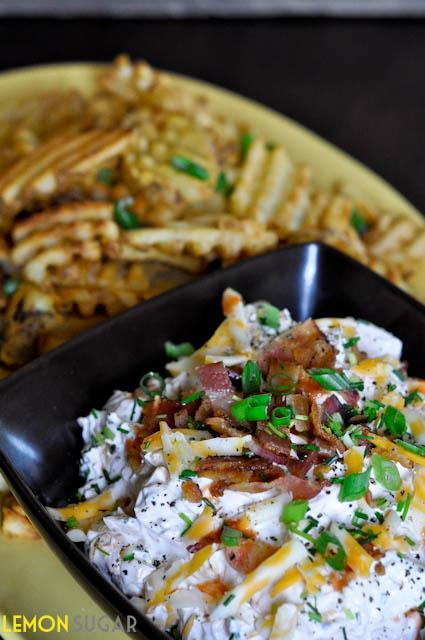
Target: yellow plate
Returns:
[32, 579]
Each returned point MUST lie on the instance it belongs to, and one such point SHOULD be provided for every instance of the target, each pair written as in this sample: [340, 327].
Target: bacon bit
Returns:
[379, 569]
[309, 385]
[351, 397]
[300, 468]
[215, 588]
[340, 579]
[237, 469]
[217, 385]
[158, 407]
[414, 615]
[300, 488]
[248, 555]
[369, 499]
[301, 407]
[211, 538]
[317, 416]
[222, 426]
[271, 447]
[191, 491]
[218, 487]
[283, 374]
[205, 410]
[304, 344]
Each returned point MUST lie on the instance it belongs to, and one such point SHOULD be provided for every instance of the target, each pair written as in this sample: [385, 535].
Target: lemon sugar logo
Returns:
[46, 623]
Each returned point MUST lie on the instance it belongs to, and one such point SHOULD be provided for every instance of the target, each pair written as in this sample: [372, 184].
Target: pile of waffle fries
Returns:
[109, 200]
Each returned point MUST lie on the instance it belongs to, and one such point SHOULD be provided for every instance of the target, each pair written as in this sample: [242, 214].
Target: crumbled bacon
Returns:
[217, 385]
[223, 427]
[248, 555]
[212, 537]
[215, 588]
[319, 416]
[156, 410]
[231, 469]
[271, 447]
[181, 417]
[191, 491]
[300, 468]
[300, 488]
[303, 344]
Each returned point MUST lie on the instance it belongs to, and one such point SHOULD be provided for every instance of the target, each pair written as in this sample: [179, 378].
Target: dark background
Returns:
[358, 83]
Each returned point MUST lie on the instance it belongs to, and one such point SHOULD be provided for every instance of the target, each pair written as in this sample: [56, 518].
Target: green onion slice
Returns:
[333, 381]
[10, 285]
[128, 557]
[354, 486]
[191, 168]
[253, 408]
[123, 215]
[282, 416]
[72, 523]
[358, 222]
[268, 315]
[178, 350]
[196, 395]
[294, 511]
[187, 473]
[413, 398]
[351, 342]
[187, 521]
[332, 550]
[395, 421]
[245, 142]
[223, 185]
[231, 537]
[152, 384]
[419, 449]
[371, 408]
[251, 378]
[386, 473]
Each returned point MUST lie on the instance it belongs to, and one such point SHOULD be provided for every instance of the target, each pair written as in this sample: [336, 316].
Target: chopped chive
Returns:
[72, 523]
[336, 557]
[123, 215]
[371, 408]
[128, 557]
[152, 384]
[229, 599]
[96, 488]
[268, 315]
[349, 614]
[245, 142]
[223, 185]
[399, 375]
[10, 285]
[133, 410]
[361, 515]
[391, 387]
[410, 542]
[191, 168]
[93, 412]
[108, 433]
[187, 473]
[209, 504]
[379, 517]
[106, 175]
[105, 553]
[358, 222]
[184, 349]
[314, 613]
[413, 398]
[406, 507]
[422, 605]
[310, 447]
[123, 430]
[330, 460]
[187, 521]
[351, 342]
[197, 395]
[335, 424]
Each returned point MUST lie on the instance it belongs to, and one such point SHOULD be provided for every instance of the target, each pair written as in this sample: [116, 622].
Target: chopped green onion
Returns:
[229, 599]
[245, 142]
[123, 215]
[381, 502]
[391, 387]
[178, 350]
[259, 400]
[386, 473]
[256, 413]
[106, 175]
[310, 447]
[197, 395]
[294, 511]
[336, 557]
[354, 486]
[331, 380]
[349, 614]
[358, 222]
[105, 553]
[335, 424]
[330, 460]
[187, 521]
[252, 408]
[223, 185]
[187, 473]
[185, 165]
[371, 408]
[93, 412]
[108, 433]
[72, 523]
[123, 430]
[282, 416]
[268, 315]
[409, 541]
[422, 605]
[277, 431]
[10, 285]
[395, 421]
[399, 375]
[419, 449]
[413, 398]
[311, 524]
[128, 557]
[209, 504]
[361, 515]
[251, 378]
[146, 384]
[314, 613]
[351, 342]
[379, 517]
[406, 506]
[231, 537]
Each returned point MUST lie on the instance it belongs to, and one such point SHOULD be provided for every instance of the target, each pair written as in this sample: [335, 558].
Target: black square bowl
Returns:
[40, 441]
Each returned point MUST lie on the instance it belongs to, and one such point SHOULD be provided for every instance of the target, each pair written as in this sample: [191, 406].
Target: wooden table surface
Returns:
[358, 83]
